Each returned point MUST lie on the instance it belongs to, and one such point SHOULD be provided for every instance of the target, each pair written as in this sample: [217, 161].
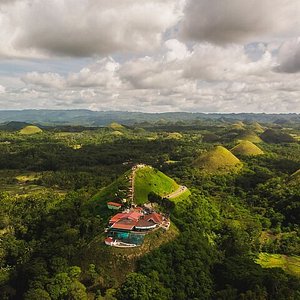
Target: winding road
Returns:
[177, 193]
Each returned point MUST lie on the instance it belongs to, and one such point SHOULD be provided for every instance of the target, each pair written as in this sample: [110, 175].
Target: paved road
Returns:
[177, 193]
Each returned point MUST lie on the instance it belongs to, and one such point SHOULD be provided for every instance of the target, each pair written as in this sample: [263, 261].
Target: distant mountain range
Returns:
[103, 118]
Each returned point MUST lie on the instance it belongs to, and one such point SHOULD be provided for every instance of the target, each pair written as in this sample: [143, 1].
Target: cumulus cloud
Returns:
[102, 74]
[2, 89]
[289, 56]
[84, 28]
[227, 21]
[210, 62]
[50, 80]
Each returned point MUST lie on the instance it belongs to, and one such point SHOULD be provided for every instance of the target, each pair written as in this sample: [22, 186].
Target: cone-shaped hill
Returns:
[238, 126]
[246, 148]
[31, 129]
[218, 160]
[148, 179]
[116, 126]
[276, 136]
[257, 127]
[250, 136]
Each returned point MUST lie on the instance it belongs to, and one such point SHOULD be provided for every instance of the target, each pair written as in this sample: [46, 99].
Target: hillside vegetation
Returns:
[290, 264]
[54, 213]
[246, 148]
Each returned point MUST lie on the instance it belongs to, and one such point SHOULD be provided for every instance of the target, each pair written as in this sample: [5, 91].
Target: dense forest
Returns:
[235, 237]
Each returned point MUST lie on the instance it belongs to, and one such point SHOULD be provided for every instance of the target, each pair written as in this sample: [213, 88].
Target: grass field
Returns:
[150, 180]
[290, 264]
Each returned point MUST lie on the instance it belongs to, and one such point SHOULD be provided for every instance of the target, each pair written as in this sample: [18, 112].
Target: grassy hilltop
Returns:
[149, 180]
[246, 148]
[218, 160]
[31, 129]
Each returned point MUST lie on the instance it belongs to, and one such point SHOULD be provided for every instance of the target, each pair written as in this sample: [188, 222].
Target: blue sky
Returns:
[151, 56]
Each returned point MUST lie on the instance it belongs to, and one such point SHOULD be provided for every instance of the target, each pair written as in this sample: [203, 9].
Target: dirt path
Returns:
[177, 193]
[134, 169]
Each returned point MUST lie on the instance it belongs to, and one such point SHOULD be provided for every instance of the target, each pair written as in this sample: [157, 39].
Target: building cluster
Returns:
[132, 222]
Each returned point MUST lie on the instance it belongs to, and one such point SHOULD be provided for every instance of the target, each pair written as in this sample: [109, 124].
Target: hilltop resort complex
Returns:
[129, 226]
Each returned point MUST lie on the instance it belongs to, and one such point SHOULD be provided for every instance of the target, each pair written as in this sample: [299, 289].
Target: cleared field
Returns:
[290, 264]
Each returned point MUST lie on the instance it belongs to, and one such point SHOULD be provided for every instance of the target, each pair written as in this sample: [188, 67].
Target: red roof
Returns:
[138, 209]
[143, 224]
[117, 217]
[135, 216]
[125, 224]
[155, 217]
[114, 204]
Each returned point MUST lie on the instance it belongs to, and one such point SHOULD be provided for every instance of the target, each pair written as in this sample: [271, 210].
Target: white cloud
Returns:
[2, 89]
[83, 28]
[102, 73]
[50, 80]
[210, 62]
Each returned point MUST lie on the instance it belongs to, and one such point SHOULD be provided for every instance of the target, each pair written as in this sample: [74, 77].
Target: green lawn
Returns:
[149, 180]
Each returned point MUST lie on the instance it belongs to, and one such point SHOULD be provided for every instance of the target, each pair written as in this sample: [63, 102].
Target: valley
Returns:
[206, 209]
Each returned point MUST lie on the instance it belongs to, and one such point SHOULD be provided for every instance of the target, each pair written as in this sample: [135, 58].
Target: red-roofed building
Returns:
[138, 209]
[117, 217]
[134, 216]
[124, 224]
[142, 224]
[114, 205]
[154, 217]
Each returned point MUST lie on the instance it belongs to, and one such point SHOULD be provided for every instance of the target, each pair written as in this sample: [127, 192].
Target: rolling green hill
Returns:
[218, 160]
[13, 126]
[31, 129]
[239, 125]
[116, 126]
[148, 180]
[257, 127]
[250, 136]
[246, 148]
[276, 136]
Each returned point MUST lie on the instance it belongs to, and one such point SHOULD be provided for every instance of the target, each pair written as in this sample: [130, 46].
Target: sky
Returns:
[151, 56]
